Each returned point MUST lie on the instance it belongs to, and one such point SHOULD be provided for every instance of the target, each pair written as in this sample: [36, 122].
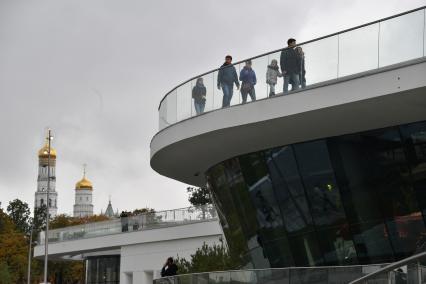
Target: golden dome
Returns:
[84, 183]
[43, 152]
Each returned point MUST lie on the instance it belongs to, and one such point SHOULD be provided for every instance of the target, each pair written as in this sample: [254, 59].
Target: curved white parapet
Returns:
[375, 99]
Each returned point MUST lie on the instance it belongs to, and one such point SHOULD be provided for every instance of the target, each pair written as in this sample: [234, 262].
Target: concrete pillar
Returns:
[126, 278]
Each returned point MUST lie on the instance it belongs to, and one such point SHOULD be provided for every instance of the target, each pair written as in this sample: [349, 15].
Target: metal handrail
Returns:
[303, 43]
[390, 267]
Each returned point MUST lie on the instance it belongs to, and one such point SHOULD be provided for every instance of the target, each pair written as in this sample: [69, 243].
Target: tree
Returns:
[13, 249]
[208, 258]
[198, 196]
[5, 277]
[20, 214]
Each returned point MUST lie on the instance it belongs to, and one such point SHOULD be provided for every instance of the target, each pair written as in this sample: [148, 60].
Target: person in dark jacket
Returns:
[169, 268]
[124, 218]
[248, 80]
[199, 96]
[290, 66]
[226, 78]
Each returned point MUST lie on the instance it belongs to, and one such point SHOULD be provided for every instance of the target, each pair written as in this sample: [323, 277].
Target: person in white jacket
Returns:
[272, 74]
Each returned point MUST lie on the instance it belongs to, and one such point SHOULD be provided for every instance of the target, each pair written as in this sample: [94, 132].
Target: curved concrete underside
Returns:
[380, 98]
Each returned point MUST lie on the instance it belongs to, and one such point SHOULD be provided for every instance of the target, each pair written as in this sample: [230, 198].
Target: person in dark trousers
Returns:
[199, 96]
[169, 268]
[226, 78]
[290, 66]
[124, 218]
[248, 80]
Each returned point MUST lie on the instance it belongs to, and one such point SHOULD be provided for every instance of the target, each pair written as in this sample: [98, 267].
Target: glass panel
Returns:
[414, 137]
[184, 101]
[217, 92]
[246, 276]
[321, 60]
[162, 114]
[401, 38]
[305, 250]
[289, 189]
[273, 276]
[170, 113]
[236, 93]
[273, 75]
[371, 242]
[259, 65]
[219, 277]
[320, 184]
[311, 276]
[358, 50]
[337, 246]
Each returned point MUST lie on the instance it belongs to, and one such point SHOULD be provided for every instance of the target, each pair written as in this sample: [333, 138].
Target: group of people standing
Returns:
[292, 63]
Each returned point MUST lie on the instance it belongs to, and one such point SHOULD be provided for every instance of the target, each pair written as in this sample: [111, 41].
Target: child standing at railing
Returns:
[272, 73]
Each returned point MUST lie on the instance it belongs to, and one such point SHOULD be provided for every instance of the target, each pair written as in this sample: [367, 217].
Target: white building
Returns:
[133, 250]
[83, 205]
[42, 184]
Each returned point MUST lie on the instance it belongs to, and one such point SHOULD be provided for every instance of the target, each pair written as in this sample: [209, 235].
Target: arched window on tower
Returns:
[41, 202]
[50, 202]
[55, 203]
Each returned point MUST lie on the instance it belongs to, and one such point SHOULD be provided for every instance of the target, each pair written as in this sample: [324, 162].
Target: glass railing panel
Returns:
[243, 276]
[169, 113]
[321, 60]
[259, 66]
[307, 275]
[219, 277]
[184, 101]
[273, 77]
[273, 276]
[382, 278]
[401, 38]
[217, 94]
[358, 50]
[236, 93]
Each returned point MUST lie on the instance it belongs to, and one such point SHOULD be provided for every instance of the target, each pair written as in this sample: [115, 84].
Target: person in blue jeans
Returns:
[290, 62]
[248, 80]
[199, 96]
[226, 78]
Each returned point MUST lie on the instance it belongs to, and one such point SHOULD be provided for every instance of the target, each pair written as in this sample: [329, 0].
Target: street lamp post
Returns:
[29, 254]
[46, 237]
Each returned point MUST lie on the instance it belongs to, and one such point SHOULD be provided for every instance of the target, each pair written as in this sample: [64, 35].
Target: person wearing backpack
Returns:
[248, 80]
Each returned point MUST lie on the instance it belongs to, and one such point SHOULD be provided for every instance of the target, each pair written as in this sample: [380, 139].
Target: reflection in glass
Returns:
[356, 198]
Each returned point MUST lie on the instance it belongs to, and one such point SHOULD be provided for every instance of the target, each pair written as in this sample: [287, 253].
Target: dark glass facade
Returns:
[351, 199]
[103, 269]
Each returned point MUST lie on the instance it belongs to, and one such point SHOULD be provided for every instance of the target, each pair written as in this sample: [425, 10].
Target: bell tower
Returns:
[43, 172]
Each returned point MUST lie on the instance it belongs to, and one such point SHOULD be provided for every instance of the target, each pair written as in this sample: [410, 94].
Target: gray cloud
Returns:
[95, 71]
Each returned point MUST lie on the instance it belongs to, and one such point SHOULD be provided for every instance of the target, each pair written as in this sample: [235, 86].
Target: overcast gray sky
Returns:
[95, 71]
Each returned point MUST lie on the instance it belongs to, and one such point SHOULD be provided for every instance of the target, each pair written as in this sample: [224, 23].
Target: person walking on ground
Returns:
[272, 74]
[290, 66]
[226, 78]
[302, 77]
[169, 268]
[248, 80]
[199, 96]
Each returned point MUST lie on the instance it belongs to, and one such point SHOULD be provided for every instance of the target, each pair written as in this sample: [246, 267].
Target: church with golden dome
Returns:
[46, 168]
[83, 205]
